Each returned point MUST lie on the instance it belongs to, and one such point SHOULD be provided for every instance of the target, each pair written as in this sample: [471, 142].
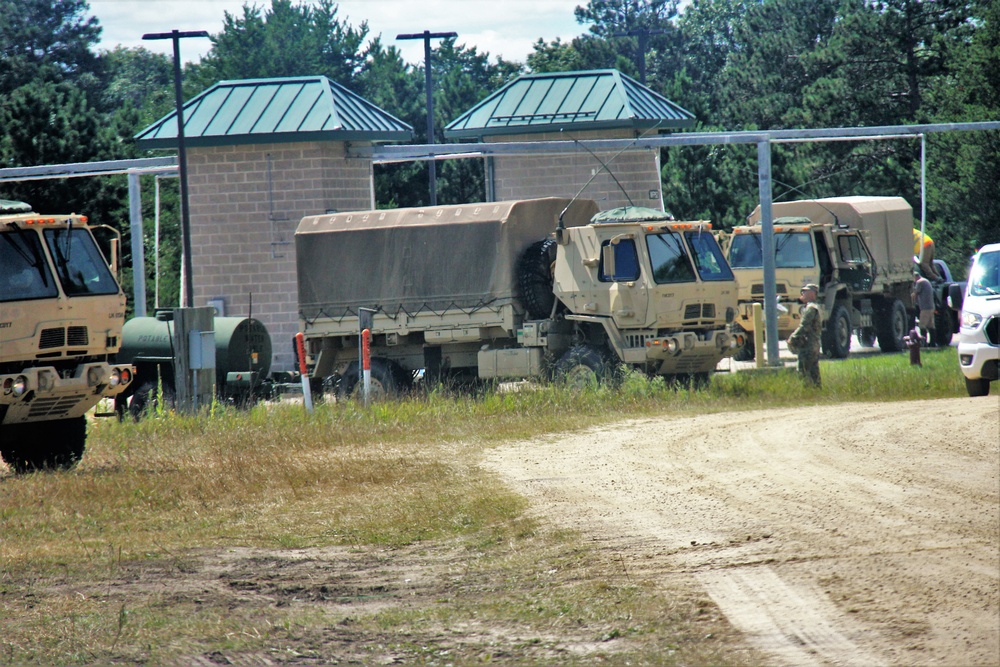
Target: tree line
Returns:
[735, 64]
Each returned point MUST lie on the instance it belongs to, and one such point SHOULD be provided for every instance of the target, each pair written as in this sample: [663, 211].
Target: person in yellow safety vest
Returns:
[927, 258]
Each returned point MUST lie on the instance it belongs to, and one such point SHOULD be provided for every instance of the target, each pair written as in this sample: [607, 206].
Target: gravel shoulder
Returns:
[855, 534]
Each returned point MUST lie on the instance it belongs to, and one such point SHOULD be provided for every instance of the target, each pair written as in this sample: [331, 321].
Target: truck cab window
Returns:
[851, 250]
[669, 259]
[708, 256]
[744, 252]
[626, 262]
[24, 275]
[794, 251]
[79, 263]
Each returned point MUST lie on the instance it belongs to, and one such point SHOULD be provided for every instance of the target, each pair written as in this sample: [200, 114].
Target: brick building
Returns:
[261, 155]
[565, 106]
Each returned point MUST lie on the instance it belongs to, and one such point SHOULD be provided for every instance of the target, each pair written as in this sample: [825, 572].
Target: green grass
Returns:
[93, 560]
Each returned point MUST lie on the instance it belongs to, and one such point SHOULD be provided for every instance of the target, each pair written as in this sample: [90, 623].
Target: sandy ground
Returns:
[857, 534]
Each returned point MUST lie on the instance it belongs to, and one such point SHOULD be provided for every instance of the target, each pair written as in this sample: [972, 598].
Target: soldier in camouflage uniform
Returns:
[805, 340]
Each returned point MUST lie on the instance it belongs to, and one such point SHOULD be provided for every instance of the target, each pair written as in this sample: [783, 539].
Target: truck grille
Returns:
[992, 330]
[694, 311]
[636, 340]
[52, 338]
[60, 337]
[758, 289]
[77, 336]
[56, 406]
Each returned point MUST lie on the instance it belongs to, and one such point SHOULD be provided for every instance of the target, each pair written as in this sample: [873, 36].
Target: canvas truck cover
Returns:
[422, 259]
[888, 219]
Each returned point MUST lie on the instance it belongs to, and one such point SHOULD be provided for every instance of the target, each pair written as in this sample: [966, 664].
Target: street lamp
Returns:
[187, 289]
[427, 37]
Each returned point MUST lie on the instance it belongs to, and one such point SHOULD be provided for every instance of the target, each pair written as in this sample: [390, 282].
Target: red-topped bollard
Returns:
[913, 341]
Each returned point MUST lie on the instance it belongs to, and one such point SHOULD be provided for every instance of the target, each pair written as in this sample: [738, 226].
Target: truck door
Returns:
[628, 294]
[857, 268]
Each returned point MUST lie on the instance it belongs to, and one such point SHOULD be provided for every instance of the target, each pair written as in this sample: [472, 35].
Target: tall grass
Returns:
[392, 474]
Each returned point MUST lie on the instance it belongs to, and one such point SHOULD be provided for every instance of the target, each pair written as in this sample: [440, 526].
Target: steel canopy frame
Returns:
[763, 139]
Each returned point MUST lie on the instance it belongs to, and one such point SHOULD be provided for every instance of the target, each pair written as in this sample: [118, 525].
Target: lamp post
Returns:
[427, 36]
[187, 289]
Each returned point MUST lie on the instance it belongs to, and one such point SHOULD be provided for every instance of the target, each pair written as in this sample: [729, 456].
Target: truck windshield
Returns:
[708, 256]
[669, 259]
[24, 274]
[984, 279]
[794, 251]
[79, 264]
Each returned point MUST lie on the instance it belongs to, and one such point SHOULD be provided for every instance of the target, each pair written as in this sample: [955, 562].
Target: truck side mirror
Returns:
[608, 258]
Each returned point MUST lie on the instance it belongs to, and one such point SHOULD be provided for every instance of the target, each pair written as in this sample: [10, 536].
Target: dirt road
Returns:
[848, 535]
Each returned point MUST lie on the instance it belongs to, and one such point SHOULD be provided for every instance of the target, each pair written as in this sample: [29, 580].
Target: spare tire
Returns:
[534, 278]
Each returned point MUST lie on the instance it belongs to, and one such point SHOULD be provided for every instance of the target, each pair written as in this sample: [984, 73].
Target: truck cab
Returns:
[61, 316]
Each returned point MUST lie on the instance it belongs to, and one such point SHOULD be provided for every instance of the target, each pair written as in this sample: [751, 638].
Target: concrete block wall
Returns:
[523, 177]
[242, 228]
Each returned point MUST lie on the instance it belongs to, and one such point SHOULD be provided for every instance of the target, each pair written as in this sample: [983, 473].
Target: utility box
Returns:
[510, 363]
[194, 356]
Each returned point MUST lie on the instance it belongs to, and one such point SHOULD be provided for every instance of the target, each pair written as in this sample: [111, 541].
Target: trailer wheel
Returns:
[891, 326]
[582, 367]
[534, 278]
[49, 445]
[388, 380]
[837, 336]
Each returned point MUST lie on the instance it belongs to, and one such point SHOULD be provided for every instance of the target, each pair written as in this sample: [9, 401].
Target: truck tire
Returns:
[582, 367]
[747, 351]
[866, 336]
[534, 278]
[49, 445]
[977, 387]
[837, 334]
[146, 400]
[891, 326]
[942, 327]
[388, 380]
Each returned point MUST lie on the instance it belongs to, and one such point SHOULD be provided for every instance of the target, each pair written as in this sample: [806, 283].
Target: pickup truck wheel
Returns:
[866, 336]
[977, 387]
[388, 380]
[49, 445]
[837, 336]
[892, 325]
[582, 367]
[534, 278]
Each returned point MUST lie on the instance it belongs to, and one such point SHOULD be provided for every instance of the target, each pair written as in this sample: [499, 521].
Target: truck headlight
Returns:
[46, 381]
[116, 377]
[671, 345]
[971, 320]
[20, 385]
[93, 376]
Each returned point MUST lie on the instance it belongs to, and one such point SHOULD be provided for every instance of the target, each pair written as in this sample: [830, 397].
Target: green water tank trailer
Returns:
[242, 346]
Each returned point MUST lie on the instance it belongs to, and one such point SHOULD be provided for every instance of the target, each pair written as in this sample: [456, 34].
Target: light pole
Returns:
[427, 36]
[187, 289]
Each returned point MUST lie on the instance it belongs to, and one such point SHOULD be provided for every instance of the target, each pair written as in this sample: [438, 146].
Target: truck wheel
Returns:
[942, 327]
[146, 400]
[837, 336]
[582, 367]
[388, 380]
[49, 445]
[534, 278]
[866, 336]
[747, 352]
[891, 326]
[977, 387]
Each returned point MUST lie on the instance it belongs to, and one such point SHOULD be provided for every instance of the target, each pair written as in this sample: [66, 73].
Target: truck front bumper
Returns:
[688, 352]
[42, 393]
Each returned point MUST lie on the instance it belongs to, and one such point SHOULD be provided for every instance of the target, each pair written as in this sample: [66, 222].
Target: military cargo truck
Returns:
[61, 316]
[514, 289]
[859, 250]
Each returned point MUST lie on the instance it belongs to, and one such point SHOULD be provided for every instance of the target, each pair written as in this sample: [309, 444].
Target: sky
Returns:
[505, 28]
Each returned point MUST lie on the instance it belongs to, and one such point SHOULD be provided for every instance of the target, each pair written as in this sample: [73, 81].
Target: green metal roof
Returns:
[282, 110]
[592, 100]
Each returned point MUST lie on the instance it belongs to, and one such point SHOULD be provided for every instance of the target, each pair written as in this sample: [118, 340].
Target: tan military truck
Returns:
[514, 289]
[61, 316]
[859, 250]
